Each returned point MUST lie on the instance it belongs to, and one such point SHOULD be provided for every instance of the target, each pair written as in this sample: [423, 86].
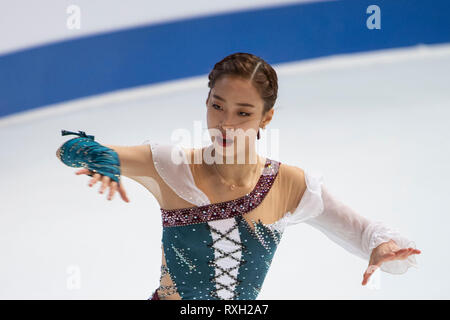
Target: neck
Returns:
[240, 173]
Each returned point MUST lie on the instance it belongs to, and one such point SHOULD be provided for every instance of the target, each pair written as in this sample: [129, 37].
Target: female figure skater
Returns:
[222, 220]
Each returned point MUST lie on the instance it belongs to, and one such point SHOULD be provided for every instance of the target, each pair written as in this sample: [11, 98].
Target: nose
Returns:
[226, 132]
[227, 124]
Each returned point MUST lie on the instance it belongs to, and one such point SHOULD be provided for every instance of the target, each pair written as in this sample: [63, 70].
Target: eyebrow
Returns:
[239, 103]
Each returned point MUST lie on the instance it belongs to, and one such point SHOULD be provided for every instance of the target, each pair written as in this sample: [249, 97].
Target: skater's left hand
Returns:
[386, 251]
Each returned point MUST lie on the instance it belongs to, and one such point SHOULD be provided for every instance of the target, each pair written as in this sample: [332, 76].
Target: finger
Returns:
[413, 251]
[122, 193]
[112, 190]
[406, 252]
[401, 252]
[82, 171]
[105, 183]
[368, 273]
[94, 180]
[366, 278]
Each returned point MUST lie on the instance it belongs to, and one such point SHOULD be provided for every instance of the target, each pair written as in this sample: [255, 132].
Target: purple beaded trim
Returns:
[227, 209]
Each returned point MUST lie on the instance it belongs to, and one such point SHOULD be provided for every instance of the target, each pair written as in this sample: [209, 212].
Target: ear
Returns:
[268, 116]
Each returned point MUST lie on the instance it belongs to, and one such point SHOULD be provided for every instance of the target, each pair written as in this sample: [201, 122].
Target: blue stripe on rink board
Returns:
[177, 49]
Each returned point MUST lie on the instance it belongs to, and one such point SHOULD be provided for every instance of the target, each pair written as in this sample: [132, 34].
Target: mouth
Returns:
[225, 142]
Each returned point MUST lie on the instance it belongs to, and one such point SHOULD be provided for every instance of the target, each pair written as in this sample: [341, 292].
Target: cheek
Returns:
[247, 134]
[211, 120]
[249, 126]
[210, 117]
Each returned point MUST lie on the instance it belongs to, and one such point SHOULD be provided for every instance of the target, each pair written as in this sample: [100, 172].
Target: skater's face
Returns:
[235, 111]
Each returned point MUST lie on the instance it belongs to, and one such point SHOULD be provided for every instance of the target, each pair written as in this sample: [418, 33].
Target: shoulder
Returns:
[293, 183]
[292, 174]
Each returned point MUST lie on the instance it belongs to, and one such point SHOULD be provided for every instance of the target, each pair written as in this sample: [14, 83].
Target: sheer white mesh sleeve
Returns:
[172, 165]
[344, 226]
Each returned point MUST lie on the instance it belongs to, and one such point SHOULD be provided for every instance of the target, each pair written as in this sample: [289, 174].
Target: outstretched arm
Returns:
[373, 241]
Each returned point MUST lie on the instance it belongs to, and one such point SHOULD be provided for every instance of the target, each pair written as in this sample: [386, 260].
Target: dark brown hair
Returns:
[250, 67]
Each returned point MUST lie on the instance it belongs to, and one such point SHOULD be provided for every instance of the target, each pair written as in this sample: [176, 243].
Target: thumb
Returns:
[82, 171]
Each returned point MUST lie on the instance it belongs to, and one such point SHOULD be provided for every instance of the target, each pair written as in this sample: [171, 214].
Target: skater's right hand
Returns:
[106, 181]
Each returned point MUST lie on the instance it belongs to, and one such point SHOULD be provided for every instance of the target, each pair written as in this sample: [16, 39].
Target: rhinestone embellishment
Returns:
[226, 209]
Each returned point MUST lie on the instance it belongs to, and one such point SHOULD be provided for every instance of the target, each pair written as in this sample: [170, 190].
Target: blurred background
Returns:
[364, 97]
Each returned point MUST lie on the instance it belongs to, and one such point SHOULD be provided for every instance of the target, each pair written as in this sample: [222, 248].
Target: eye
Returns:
[246, 114]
